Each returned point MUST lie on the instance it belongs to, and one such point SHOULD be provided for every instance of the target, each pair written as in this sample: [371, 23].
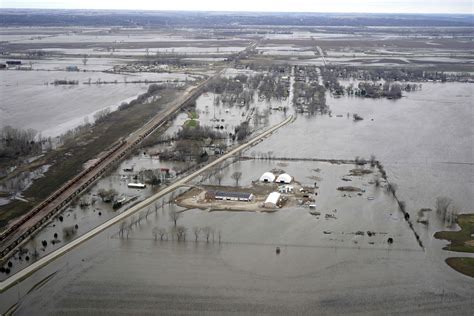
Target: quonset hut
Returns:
[267, 177]
[272, 200]
[284, 178]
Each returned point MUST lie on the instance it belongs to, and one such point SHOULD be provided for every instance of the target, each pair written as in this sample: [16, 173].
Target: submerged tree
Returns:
[196, 231]
[442, 204]
[174, 216]
[236, 176]
[219, 176]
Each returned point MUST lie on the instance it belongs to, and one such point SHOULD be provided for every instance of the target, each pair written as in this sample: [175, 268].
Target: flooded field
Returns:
[31, 100]
[352, 247]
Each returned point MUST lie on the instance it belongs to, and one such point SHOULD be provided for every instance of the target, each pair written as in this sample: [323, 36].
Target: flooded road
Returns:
[314, 272]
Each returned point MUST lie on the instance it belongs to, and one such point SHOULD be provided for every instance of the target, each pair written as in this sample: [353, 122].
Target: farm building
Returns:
[284, 178]
[13, 62]
[267, 177]
[272, 200]
[229, 196]
[285, 189]
[136, 185]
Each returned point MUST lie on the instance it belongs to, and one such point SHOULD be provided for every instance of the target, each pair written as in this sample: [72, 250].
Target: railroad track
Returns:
[20, 231]
[21, 275]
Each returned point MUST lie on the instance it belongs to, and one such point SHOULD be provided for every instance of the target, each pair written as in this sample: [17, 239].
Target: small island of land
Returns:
[461, 241]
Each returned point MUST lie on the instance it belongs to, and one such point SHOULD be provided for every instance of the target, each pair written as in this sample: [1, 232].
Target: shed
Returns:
[229, 196]
[267, 177]
[272, 200]
[284, 178]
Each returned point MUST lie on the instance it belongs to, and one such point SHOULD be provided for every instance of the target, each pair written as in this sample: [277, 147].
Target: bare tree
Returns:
[155, 233]
[181, 233]
[451, 215]
[196, 231]
[147, 212]
[174, 216]
[377, 181]
[392, 188]
[207, 232]
[372, 160]
[236, 176]
[85, 60]
[123, 227]
[219, 176]
[163, 233]
[442, 204]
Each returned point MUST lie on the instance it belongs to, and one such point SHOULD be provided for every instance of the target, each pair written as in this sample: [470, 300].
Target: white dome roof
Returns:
[267, 177]
[284, 178]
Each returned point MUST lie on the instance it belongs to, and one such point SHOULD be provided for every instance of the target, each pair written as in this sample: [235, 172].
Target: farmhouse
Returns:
[229, 196]
[272, 200]
[284, 178]
[267, 177]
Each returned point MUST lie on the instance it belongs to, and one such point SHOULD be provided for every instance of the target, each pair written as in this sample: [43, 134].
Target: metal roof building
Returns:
[272, 200]
[230, 196]
[267, 177]
[284, 178]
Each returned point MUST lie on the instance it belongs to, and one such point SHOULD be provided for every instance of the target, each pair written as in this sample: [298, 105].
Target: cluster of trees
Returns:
[101, 116]
[377, 90]
[310, 95]
[153, 89]
[151, 176]
[331, 81]
[241, 88]
[227, 85]
[270, 86]
[179, 232]
[16, 143]
[446, 210]
[242, 130]
[232, 90]
[199, 133]
[107, 195]
[65, 82]
[395, 74]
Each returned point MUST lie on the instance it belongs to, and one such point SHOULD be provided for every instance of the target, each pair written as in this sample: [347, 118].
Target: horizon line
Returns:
[239, 11]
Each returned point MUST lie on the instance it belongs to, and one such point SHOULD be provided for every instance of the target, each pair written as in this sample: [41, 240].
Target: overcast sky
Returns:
[372, 6]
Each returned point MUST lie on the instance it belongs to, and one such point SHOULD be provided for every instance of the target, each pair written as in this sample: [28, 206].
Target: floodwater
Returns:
[97, 211]
[29, 100]
[425, 143]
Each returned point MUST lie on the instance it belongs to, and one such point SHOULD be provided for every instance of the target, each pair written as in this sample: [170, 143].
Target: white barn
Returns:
[284, 178]
[267, 177]
[272, 200]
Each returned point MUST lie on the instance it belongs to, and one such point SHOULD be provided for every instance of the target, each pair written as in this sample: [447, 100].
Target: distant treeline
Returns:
[30, 17]
[392, 74]
[65, 82]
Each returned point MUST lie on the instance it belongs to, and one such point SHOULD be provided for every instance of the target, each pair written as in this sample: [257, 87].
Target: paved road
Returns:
[18, 233]
[4, 285]
[322, 55]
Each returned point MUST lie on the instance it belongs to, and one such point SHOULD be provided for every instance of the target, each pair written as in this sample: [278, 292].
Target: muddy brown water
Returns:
[425, 144]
